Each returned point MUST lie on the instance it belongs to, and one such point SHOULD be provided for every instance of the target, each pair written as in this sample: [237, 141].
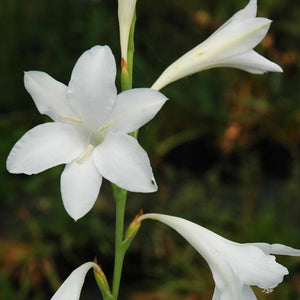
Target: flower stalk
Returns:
[120, 196]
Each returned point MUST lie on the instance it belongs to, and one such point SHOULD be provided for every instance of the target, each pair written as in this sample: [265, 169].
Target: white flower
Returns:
[89, 133]
[235, 267]
[71, 288]
[230, 46]
[126, 10]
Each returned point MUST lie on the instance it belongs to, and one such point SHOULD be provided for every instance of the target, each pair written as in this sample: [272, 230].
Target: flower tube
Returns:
[235, 267]
[230, 46]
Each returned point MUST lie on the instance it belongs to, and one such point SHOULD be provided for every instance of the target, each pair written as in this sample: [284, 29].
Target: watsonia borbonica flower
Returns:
[235, 267]
[89, 132]
[230, 46]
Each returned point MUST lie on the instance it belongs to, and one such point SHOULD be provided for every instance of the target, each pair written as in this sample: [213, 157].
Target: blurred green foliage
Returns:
[225, 148]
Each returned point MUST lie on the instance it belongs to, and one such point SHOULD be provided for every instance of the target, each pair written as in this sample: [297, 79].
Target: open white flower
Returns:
[71, 288]
[235, 267]
[126, 10]
[89, 133]
[230, 46]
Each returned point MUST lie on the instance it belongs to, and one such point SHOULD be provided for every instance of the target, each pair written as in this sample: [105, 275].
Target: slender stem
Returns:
[120, 199]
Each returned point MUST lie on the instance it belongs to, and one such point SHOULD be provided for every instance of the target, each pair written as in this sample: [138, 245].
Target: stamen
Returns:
[267, 291]
[102, 128]
[71, 119]
[88, 150]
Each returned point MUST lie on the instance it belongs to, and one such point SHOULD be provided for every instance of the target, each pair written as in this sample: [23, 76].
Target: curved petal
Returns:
[228, 284]
[277, 249]
[43, 147]
[80, 186]
[251, 62]
[254, 267]
[124, 162]
[217, 294]
[48, 94]
[249, 12]
[246, 13]
[92, 89]
[233, 39]
[71, 288]
[134, 108]
[247, 293]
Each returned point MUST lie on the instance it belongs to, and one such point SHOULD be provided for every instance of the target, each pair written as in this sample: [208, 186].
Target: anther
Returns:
[71, 119]
[102, 128]
[267, 291]
[88, 150]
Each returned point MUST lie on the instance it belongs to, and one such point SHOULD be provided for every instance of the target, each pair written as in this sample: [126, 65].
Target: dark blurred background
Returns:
[225, 149]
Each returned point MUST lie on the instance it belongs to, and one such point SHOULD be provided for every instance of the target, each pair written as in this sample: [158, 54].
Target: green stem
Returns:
[120, 199]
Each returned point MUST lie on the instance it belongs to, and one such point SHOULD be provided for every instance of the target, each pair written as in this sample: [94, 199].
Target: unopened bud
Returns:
[102, 281]
[133, 228]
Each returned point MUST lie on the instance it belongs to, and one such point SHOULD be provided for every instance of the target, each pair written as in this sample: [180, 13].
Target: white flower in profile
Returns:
[89, 132]
[230, 46]
[71, 287]
[126, 10]
[235, 267]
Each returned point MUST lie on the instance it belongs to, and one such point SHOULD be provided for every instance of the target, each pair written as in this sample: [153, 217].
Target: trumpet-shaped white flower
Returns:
[230, 46]
[126, 10]
[235, 267]
[71, 288]
[89, 134]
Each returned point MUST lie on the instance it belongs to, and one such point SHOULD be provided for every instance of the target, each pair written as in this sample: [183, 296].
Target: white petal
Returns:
[254, 267]
[217, 294]
[120, 159]
[48, 94]
[80, 186]
[71, 288]
[43, 147]
[92, 90]
[277, 249]
[251, 62]
[234, 39]
[134, 108]
[247, 293]
[228, 284]
[249, 12]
